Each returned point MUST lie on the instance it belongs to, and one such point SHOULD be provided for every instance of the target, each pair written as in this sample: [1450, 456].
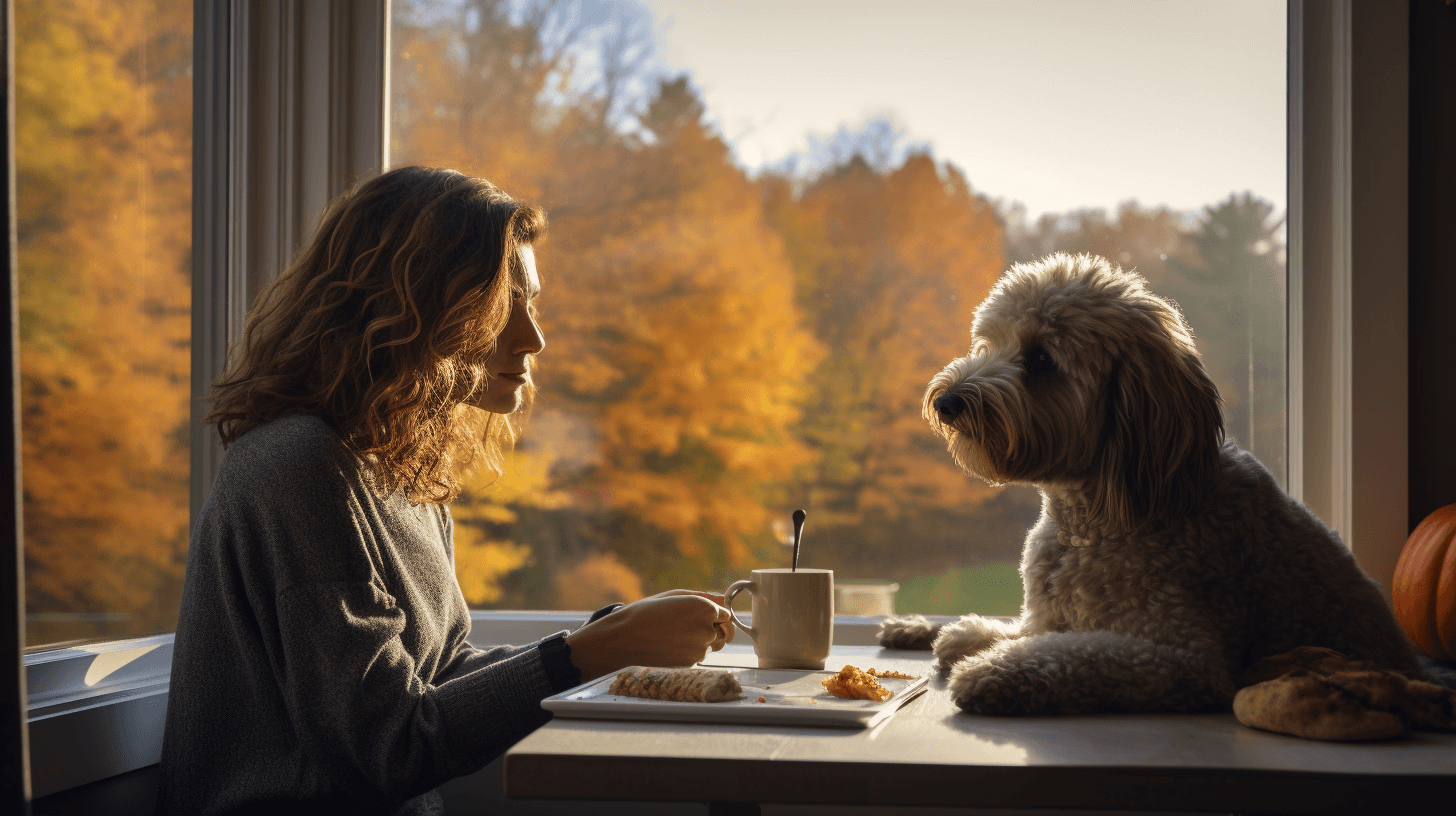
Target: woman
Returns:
[320, 661]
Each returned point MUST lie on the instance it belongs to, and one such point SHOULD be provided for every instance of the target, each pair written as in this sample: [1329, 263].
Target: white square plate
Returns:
[791, 697]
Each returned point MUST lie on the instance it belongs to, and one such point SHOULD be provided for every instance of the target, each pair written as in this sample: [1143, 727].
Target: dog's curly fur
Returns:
[1165, 560]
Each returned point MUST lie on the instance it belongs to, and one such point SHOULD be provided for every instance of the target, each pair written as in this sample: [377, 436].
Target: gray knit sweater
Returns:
[320, 662]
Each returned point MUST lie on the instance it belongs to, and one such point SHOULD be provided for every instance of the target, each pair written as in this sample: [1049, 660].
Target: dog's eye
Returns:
[1036, 361]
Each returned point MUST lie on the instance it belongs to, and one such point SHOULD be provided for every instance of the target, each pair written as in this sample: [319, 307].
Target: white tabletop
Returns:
[930, 753]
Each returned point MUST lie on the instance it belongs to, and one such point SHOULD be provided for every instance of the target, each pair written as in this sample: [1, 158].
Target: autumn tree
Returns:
[465, 93]
[890, 263]
[1148, 241]
[675, 353]
[1240, 267]
[679, 334]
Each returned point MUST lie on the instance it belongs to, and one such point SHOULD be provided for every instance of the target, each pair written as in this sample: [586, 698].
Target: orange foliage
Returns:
[669, 310]
[890, 268]
[596, 581]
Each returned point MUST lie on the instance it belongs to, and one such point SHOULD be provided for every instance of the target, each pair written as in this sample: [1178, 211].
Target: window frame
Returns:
[15, 767]
[283, 121]
[1348, 312]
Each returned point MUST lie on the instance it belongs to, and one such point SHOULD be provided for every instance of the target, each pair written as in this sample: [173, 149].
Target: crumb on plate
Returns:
[853, 684]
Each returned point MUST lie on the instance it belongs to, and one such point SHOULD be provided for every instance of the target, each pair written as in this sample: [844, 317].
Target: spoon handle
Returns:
[798, 535]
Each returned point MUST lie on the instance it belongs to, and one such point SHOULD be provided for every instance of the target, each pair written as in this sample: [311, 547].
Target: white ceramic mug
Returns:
[793, 616]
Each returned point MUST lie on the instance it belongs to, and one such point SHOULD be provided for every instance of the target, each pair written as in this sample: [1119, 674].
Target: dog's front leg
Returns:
[951, 641]
[1086, 673]
[907, 632]
[970, 635]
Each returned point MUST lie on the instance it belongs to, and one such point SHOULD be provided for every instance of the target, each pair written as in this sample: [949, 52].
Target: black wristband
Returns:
[603, 612]
[556, 658]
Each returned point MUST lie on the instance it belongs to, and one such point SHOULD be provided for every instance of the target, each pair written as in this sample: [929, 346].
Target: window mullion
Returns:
[1348, 266]
[15, 788]
[289, 112]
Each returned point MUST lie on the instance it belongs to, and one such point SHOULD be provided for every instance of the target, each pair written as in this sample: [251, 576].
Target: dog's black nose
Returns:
[948, 407]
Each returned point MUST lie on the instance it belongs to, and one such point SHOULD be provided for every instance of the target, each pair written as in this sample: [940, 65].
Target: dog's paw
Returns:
[907, 632]
[981, 686]
[968, 636]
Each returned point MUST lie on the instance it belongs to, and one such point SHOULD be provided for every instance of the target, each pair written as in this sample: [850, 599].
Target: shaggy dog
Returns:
[1165, 561]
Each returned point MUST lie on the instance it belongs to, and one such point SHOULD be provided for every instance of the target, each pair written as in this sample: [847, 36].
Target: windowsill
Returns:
[95, 711]
[76, 677]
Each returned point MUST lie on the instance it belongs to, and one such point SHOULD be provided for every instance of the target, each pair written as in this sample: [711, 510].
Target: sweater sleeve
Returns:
[360, 706]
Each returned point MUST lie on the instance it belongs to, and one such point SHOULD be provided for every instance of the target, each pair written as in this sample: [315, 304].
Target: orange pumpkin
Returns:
[1424, 590]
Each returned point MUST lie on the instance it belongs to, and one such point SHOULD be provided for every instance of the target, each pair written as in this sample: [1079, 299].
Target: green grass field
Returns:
[986, 589]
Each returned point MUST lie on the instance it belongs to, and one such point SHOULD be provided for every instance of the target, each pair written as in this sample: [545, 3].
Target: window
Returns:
[770, 226]
[250, 189]
[103, 112]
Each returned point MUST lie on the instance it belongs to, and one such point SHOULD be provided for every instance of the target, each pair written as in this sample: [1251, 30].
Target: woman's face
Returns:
[509, 367]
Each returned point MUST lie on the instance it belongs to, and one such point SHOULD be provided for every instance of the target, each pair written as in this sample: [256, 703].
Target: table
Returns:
[932, 754]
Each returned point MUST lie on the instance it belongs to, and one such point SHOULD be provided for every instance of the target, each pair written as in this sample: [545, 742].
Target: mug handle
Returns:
[737, 587]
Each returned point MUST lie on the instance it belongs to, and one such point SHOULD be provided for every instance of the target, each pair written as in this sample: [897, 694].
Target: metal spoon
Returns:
[798, 530]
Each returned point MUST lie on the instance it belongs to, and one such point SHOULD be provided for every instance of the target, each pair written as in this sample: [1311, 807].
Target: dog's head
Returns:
[1079, 379]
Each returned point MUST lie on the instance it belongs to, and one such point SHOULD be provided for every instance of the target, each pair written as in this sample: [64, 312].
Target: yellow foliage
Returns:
[103, 135]
[481, 563]
[526, 483]
[595, 581]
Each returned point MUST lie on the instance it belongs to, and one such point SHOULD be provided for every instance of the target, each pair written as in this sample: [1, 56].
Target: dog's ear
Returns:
[1162, 429]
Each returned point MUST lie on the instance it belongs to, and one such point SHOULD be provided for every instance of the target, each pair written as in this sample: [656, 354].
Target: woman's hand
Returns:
[724, 624]
[673, 628]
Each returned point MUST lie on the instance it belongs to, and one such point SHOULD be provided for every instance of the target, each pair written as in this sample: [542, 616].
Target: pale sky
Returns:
[1055, 104]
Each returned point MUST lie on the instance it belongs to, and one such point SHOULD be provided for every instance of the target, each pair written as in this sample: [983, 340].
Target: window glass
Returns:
[770, 225]
[103, 130]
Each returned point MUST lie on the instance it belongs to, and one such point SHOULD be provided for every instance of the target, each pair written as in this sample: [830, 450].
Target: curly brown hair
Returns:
[382, 324]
